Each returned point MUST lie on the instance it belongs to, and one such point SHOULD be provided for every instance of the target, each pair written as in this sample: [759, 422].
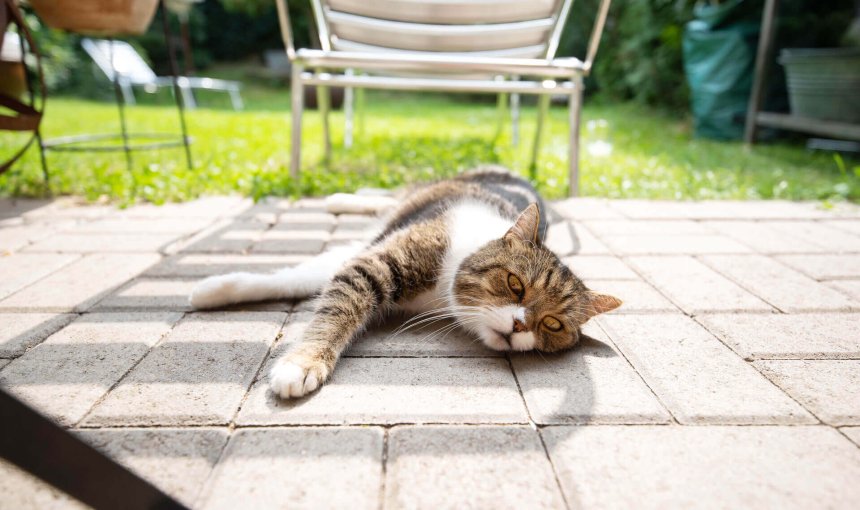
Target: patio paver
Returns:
[828, 388]
[697, 377]
[703, 467]
[20, 331]
[780, 286]
[727, 379]
[179, 461]
[779, 336]
[695, 287]
[197, 375]
[68, 373]
[468, 467]
[299, 467]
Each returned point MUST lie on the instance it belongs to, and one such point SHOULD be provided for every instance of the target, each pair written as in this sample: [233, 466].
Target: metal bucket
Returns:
[823, 83]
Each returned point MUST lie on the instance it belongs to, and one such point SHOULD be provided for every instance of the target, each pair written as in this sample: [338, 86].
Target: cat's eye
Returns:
[515, 284]
[552, 324]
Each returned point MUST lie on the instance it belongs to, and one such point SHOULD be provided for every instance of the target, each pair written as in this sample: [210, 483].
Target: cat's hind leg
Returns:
[301, 281]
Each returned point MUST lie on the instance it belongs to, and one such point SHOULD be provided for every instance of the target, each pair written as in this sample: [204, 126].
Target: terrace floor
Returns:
[730, 377]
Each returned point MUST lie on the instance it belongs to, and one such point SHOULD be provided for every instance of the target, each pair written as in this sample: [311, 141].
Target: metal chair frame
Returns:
[544, 77]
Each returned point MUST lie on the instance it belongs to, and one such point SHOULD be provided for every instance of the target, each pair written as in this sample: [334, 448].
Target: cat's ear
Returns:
[601, 303]
[527, 224]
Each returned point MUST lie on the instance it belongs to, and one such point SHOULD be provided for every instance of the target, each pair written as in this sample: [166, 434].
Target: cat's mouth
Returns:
[511, 341]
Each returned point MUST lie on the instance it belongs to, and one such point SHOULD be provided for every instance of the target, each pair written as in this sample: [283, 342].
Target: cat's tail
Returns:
[301, 281]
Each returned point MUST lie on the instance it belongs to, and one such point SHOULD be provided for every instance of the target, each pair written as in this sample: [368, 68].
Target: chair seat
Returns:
[567, 67]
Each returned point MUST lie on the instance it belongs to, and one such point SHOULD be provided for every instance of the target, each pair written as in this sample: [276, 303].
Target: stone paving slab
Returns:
[780, 286]
[720, 209]
[177, 461]
[778, 336]
[599, 267]
[763, 238]
[80, 284]
[583, 208]
[299, 467]
[126, 225]
[149, 294]
[695, 287]
[469, 467]
[705, 467]
[300, 220]
[853, 433]
[825, 267]
[850, 288]
[4, 362]
[567, 237]
[194, 265]
[636, 296]
[197, 375]
[394, 390]
[308, 242]
[591, 384]
[828, 388]
[19, 270]
[16, 237]
[672, 245]
[697, 377]
[20, 331]
[21, 490]
[69, 372]
[677, 227]
[104, 243]
[226, 236]
[204, 207]
[832, 239]
[852, 226]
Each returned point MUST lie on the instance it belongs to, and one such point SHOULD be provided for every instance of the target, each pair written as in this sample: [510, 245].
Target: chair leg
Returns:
[501, 110]
[323, 103]
[515, 119]
[297, 105]
[127, 92]
[187, 97]
[236, 99]
[543, 108]
[573, 145]
[348, 99]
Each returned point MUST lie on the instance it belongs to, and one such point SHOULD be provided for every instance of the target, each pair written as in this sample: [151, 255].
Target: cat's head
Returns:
[515, 294]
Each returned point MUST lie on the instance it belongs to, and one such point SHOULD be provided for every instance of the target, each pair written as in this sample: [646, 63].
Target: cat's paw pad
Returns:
[289, 380]
[212, 292]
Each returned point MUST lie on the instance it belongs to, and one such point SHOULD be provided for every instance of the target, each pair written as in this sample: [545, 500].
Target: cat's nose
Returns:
[519, 326]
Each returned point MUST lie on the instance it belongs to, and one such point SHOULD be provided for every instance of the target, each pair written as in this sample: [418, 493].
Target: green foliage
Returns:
[409, 138]
[61, 57]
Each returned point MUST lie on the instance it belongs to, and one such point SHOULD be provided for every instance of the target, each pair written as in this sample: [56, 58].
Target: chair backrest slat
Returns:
[445, 38]
[535, 51]
[455, 12]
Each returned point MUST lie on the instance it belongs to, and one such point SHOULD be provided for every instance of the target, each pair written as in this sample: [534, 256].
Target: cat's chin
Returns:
[524, 341]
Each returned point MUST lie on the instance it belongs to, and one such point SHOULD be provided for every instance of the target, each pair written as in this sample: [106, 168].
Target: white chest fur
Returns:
[470, 226]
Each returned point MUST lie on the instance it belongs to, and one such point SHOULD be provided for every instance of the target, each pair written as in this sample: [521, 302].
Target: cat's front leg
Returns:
[357, 295]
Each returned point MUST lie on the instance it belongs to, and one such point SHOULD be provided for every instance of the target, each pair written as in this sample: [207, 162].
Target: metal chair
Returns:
[488, 46]
[121, 58]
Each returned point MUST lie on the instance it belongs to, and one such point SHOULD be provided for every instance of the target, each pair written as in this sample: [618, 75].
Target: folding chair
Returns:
[501, 46]
[120, 57]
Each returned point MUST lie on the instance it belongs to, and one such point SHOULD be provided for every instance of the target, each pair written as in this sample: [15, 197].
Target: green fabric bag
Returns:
[719, 48]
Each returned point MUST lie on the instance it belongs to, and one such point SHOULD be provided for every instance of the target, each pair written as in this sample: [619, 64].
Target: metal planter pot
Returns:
[823, 83]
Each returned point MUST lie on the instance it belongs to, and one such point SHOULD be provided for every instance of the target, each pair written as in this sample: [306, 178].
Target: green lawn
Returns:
[407, 138]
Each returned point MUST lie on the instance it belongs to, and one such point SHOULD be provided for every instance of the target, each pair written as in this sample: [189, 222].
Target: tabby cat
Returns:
[470, 248]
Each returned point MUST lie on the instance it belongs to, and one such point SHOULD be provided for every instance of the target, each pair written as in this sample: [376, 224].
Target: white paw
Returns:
[213, 292]
[290, 380]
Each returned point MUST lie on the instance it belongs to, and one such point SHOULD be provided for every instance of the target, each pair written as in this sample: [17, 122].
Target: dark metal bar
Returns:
[120, 103]
[37, 445]
[174, 71]
[46, 175]
[765, 42]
